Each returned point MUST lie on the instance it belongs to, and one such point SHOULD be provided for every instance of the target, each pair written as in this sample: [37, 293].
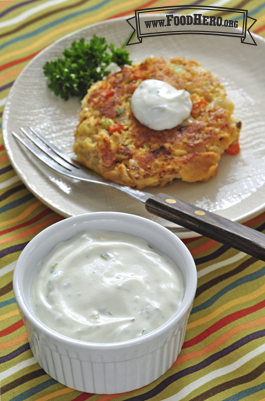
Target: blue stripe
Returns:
[14, 354]
[6, 169]
[16, 203]
[96, 7]
[6, 86]
[8, 302]
[8, 10]
[251, 12]
[245, 393]
[34, 390]
[12, 249]
[195, 369]
[230, 287]
[184, 8]
[54, 23]
[220, 251]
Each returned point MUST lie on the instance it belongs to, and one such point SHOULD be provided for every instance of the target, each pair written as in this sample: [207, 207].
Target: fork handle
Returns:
[209, 224]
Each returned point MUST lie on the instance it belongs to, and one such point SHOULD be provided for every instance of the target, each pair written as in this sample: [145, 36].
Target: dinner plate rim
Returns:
[180, 231]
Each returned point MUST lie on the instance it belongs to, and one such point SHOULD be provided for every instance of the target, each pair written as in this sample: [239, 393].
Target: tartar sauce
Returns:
[103, 286]
[159, 105]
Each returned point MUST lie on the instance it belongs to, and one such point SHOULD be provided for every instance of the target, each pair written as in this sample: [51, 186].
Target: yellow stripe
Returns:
[56, 394]
[30, 232]
[228, 305]
[22, 215]
[9, 314]
[15, 341]
[67, 28]
[258, 23]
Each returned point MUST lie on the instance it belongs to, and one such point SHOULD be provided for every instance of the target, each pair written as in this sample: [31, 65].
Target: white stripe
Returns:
[43, 6]
[7, 269]
[3, 101]
[11, 181]
[217, 373]
[226, 262]
[16, 368]
[217, 4]
[30, 12]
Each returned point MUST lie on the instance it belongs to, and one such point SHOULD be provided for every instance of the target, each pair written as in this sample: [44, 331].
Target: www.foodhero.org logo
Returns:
[196, 19]
[150, 22]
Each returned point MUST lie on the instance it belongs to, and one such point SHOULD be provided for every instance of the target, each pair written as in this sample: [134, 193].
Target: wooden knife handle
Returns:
[209, 224]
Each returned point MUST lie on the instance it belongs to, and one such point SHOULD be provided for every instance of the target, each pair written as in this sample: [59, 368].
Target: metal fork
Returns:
[196, 219]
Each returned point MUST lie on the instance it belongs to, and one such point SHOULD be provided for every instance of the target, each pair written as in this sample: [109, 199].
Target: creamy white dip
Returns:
[106, 287]
[159, 106]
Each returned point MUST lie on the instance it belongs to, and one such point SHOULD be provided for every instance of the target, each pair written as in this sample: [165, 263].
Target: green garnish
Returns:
[53, 267]
[179, 69]
[119, 112]
[83, 64]
[106, 123]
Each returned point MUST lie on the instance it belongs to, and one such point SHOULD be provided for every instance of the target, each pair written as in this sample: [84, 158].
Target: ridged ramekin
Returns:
[101, 367]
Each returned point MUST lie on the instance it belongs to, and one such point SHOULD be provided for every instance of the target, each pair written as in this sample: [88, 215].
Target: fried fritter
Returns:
[112, 142]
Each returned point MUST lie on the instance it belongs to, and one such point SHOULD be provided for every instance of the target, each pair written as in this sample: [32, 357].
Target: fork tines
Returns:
[47, 152]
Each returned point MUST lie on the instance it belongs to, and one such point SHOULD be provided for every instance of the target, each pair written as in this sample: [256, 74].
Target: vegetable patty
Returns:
[112, 142]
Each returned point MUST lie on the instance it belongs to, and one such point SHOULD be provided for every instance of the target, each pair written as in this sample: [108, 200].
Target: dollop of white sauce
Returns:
[106, 287]
[159, 106]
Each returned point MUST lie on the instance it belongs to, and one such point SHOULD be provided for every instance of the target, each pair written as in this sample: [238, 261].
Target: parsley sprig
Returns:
[83, 64]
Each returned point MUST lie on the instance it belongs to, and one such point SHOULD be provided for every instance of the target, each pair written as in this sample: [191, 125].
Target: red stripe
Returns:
[27, 223]
[222, 323]
[247, 223]
[11, 328]
[2, 148]
[188, 240]
[15, 62]
[20, 60]
[259, 29]
[255, 220]
[83, 396]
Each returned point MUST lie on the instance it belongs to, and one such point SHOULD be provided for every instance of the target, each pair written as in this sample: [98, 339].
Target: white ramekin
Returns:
[95, 367]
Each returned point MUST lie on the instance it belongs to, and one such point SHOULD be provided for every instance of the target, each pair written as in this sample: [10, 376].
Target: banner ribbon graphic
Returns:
[162, 21]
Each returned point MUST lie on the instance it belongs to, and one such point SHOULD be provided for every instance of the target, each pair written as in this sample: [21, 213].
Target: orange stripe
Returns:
[22, 215]
[16, 341]
[31, 231]
[205, 247]
[10, 74]
[237, 301]
[3, 4]
[170, 3]
[64, 29]
[56, 394]
[220, 340]
[3, 159]
[108, 397]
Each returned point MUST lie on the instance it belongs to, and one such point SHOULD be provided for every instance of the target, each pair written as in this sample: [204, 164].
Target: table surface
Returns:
[224, 349]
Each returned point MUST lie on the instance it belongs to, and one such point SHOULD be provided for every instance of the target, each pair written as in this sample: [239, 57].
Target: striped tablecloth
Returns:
[223, 357]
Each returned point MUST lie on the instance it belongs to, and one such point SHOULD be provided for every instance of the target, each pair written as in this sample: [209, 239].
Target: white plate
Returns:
[237, 192]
